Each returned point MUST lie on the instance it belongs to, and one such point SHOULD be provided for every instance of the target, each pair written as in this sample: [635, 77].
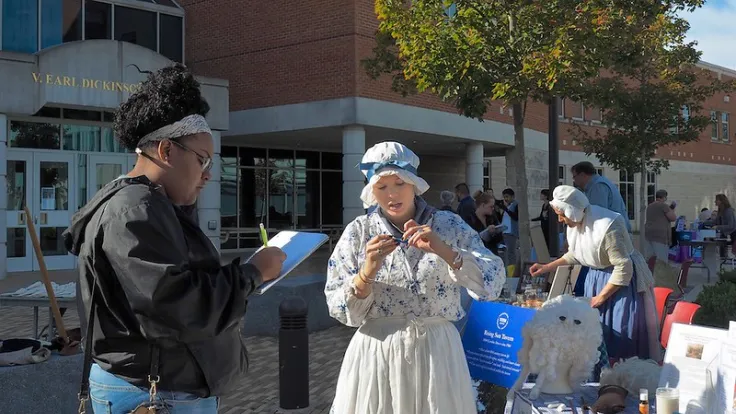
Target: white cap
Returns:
[570, 201]
[643, 394]
[387, 158]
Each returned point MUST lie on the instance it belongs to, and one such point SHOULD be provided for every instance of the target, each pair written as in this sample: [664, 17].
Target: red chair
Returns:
[684, 313]
[661, 297]
[652, 263]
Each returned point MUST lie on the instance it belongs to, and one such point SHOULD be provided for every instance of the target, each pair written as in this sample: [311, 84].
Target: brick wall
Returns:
[294, 52]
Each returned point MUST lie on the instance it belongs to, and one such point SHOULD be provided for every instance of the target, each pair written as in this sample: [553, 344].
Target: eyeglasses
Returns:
[204, 162]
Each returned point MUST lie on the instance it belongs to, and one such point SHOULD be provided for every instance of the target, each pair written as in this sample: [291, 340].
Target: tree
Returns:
[472, 52]
[651, 101]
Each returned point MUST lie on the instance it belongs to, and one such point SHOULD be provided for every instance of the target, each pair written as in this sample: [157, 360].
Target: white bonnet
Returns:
[386, 158]
[571, 201]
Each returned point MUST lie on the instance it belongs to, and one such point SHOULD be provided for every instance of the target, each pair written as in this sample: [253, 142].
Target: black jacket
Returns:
[159, 282]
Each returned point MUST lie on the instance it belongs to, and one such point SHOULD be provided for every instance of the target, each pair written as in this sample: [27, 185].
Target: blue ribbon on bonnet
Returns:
[372, 168]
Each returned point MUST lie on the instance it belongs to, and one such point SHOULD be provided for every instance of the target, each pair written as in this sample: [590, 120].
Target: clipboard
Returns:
[298, 246]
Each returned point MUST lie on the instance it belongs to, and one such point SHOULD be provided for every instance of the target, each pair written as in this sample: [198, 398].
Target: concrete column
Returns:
[474, 166]
[3, 196]
[353, 181]
[208, 204]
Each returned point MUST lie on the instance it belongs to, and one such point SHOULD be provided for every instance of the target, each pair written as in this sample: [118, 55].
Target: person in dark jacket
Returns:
[466, 204]
[485, 223]
[164, 307]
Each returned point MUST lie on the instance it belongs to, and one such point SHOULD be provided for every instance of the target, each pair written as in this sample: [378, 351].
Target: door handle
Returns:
[35, 220]
[22, 218]
[43, 218]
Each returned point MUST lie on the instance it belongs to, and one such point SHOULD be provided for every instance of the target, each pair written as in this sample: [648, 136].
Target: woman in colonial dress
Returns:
[619, 283]
[396, 274]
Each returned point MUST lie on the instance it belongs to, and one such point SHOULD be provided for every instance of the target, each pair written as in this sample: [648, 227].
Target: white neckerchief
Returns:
[585, 240]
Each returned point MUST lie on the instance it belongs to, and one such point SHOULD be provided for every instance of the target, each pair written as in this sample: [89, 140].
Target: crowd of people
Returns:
[163, 315]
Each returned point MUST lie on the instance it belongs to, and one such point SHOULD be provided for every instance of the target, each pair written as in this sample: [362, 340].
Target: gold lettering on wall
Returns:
[86, 83]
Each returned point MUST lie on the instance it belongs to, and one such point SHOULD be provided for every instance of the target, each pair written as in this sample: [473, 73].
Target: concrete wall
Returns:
[442, 173]
[89, 74]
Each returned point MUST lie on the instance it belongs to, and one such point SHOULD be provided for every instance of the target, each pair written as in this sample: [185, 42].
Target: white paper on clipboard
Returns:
[298, 245]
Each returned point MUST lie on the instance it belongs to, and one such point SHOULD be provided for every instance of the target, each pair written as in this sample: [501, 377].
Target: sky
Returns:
[712, 26]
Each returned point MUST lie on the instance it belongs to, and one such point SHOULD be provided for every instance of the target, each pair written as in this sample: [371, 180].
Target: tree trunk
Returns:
[642, 201]
[517, 180]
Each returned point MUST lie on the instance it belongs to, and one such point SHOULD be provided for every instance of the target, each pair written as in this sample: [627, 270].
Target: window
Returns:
[574, 110]
[561, 171]
[626, 187]
[32, 25]
[719, 130]
[560, 107]
[451, 10]
[595, 114]
[685, 113]
[487, 175]
[39, 135]
[714, 125]
[599, 171]
[20, 25]
[651, 186]
[136, 26]
[64, 132]
[61, 22]
[283, 189]
[97, 20]
[724, 126]
[171, 42]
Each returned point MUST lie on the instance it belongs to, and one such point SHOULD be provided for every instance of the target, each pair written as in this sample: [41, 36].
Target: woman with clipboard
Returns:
[164, 314]
[396, 273]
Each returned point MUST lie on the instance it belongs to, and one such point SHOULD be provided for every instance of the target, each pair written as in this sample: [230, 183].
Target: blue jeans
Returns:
[112, 395]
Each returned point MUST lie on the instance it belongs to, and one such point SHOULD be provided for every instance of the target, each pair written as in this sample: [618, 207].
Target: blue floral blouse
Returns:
[411, 281]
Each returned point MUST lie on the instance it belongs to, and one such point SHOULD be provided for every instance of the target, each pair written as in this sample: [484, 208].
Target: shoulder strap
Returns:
[83, 395]
[84, 385]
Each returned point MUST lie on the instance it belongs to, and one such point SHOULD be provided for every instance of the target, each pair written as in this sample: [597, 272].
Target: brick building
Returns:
[296, 83]
[292, 110]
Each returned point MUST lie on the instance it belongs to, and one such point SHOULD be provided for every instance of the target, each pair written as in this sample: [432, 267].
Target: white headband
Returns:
[189, 125]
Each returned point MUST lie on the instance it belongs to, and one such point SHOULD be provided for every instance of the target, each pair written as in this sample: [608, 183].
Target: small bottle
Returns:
[643, 401]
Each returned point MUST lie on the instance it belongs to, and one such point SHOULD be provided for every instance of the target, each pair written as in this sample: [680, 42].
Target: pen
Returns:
[264, 236]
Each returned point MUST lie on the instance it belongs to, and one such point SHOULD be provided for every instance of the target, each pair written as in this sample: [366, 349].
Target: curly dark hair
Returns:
[168, 95]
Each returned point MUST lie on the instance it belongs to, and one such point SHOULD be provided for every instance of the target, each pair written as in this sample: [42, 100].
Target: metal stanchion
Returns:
[293, 354]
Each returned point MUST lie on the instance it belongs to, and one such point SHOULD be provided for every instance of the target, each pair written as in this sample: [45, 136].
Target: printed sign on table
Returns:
[492, 340]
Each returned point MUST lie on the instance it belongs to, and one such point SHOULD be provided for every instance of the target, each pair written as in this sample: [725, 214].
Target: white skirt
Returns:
[405, 365]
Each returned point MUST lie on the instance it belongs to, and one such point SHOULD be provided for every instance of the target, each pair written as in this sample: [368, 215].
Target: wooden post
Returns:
[45, 275]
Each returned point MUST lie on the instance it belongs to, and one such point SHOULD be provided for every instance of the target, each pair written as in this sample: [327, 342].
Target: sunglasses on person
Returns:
[204, 162]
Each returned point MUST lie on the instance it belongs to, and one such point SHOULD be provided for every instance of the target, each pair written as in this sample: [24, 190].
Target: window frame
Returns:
[157, 9]
[561, 175]
[487, 178]
[725, 133]
[714, 126]
[623, 190]
[651, 181]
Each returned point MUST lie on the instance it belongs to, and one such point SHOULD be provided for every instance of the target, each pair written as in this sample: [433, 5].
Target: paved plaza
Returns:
[258, 390]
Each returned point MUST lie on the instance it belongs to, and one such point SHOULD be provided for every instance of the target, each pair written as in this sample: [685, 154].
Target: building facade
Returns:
[303, 110]
[65, 66]
[292, 108]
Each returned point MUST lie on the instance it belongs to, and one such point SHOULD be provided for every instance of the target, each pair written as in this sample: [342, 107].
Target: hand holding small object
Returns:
[375, 251]
[269, 262]
[422, 237]
[425, 239]
[538, 269]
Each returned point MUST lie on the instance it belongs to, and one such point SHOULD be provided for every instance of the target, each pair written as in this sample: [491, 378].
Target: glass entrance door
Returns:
[52, 206]
[103, 169]
[19, 181]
